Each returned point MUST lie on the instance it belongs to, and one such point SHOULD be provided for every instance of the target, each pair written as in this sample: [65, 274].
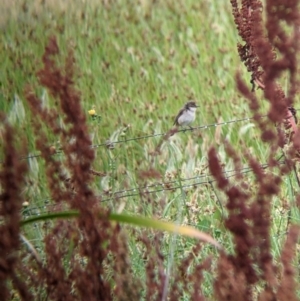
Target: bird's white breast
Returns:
[187, 117]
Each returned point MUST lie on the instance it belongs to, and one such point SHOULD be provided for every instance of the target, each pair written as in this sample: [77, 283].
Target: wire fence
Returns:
[158, 187]
[111, 144]
[138, 191]
[185, 184]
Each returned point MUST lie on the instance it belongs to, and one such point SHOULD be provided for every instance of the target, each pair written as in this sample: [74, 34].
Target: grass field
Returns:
[137, 63]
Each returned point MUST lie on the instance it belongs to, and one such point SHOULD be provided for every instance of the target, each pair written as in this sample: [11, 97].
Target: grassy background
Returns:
[137, 63]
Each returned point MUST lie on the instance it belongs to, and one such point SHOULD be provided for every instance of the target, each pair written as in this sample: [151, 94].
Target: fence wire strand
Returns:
[148, 189]
[109, 143]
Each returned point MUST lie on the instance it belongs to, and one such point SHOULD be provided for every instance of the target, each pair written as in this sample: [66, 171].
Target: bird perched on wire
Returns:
[186, 115]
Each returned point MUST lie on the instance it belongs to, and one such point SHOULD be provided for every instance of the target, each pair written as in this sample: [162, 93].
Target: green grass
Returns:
[137, 64]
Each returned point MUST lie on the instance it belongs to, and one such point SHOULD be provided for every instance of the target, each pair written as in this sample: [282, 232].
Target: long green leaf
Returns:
[133, 220]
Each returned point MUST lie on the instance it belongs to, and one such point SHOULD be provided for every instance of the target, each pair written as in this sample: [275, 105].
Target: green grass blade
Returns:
[133, 220]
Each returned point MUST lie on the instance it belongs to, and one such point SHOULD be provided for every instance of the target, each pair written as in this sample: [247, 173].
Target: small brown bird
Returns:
[186, 115]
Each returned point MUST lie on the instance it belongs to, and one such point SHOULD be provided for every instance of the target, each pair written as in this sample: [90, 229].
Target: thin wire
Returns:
[263, 166]
[164, 187]
[109, 143]
[142, 189]
[167, 189]
[182, 130]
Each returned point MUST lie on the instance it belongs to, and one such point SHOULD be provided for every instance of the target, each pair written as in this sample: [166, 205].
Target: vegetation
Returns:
[89, 93]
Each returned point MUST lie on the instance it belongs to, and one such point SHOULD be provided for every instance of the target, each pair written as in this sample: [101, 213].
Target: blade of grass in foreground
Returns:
[133, 220]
